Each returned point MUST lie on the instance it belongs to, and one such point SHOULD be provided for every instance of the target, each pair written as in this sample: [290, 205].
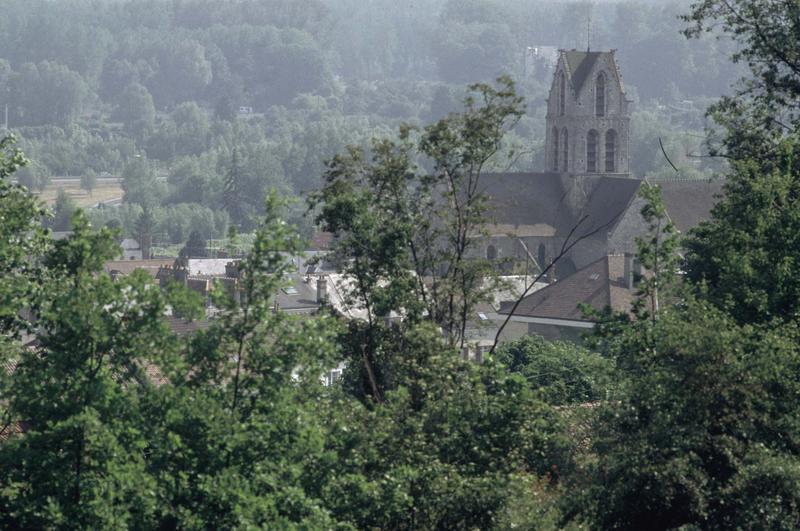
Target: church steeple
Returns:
[587, 115]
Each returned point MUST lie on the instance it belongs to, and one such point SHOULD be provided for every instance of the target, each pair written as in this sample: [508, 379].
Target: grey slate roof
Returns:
[607, 202]
[688, 201]
[600, 284]
[580, 66]
[297, 296]
[524, 198]
[536, 204]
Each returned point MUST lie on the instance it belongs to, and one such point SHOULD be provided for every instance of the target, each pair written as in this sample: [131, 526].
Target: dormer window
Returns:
[600, 95]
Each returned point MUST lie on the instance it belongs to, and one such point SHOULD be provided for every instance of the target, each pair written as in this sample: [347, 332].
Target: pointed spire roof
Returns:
[580, 65]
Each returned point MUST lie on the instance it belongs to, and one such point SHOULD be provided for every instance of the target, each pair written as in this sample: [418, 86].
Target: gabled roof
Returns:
[600, 284]
[608, 200]
[536, 204]
[524, 202]
[689, 201]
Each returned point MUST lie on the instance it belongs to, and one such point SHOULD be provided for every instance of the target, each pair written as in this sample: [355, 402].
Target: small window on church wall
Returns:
[562, 94]
[600, 95]
[542, 257]
[591, 151]
[565, 150]
[611, 151]
[555, 149]
[491, 252]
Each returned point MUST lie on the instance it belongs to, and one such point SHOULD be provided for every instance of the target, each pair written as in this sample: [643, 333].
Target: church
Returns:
[586, 193]
[586, 202]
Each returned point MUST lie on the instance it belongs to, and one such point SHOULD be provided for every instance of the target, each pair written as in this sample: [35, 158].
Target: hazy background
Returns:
[170, 96]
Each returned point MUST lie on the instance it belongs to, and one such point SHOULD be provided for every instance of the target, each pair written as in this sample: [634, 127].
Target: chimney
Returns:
[322, 290]
[232, 269]
[182, 275]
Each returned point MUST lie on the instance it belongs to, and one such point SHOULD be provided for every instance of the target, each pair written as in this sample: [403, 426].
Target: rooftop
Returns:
[601, 284]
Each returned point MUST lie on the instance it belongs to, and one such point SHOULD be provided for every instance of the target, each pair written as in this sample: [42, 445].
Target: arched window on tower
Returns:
[556, 150]
[611, 151]
[600, 95]
[491, 252]
[565, 150]
[562, 94]
[591, 151]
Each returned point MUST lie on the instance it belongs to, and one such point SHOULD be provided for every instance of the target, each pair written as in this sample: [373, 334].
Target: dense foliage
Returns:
[127, 425]
[678, 414]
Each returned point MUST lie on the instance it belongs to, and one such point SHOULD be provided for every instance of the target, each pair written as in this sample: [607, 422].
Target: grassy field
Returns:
[103, 192]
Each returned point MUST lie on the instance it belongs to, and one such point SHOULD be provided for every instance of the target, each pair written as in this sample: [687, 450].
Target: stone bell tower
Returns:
[588, 119]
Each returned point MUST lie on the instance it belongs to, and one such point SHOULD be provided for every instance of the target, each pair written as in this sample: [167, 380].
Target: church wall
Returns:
[631, 226]
[511, 256]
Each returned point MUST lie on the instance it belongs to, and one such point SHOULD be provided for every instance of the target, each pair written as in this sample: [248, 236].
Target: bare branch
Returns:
[660, 143]
[565, 248]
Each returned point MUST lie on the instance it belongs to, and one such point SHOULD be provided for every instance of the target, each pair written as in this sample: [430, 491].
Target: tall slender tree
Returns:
[232, 192]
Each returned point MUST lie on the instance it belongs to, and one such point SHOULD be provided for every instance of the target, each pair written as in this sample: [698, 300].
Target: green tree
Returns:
[135, 108]
[195, 246]
[237, 440]
[657, 253]
[183, 71]
[474, 41]
[47, 93]
[22, 240]
[145, 229]
[745, 259]
[766, 106]
[63, 210]
[140, 183]
[33, 177]
[89, 180]
[564, 373]
[81, 462]
[447, 449]
[192, 127]
[702, 435]
[232, 192]
[407, 236]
